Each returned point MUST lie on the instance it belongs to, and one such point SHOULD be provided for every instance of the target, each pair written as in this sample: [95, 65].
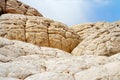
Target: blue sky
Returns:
[72, 12]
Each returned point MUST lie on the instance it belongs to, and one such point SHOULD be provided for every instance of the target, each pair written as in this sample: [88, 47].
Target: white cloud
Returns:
[104, 2]
[70, 12]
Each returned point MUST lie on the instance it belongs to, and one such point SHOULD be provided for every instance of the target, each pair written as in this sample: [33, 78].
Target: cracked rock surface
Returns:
[16, 7]
[38, 30]
[104, 42]
[108, 71]
[25, 61]
[13, 49]
[33, 47]
[85, 30]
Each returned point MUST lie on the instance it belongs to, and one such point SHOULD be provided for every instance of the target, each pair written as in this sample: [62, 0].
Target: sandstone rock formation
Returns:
[19, 59]
[25, 61]
[110, 71]
[33, 59]
[16, 7]
[50, 76]
[8, 78]
[38, 30]
[105, 41]
[85, 30]
[74, 64]
[13, 49]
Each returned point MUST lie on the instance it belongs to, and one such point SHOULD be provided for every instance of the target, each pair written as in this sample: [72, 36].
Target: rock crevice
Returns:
[38, 30]
[30, 47]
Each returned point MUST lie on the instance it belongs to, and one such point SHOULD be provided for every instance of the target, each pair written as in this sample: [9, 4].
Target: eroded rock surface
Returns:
[16, 7]
[110, 71]
[13, 49]
[20, 59]
[74, 64]
[8, 78]
[50, 76]
[99, 50]
[85, 30]
[25, 61]
[105, 41]
[38, 30]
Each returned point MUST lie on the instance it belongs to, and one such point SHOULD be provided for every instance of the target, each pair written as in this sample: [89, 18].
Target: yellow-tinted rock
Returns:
[105, 41]
[85, 30]
[16, 7]
[38, 30]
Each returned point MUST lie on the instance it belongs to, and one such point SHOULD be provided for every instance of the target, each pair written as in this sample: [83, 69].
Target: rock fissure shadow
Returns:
[2, 6]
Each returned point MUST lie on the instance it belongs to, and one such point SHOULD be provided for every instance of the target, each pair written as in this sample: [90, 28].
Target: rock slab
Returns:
[25, 61]
[103, 42]
[40, 31]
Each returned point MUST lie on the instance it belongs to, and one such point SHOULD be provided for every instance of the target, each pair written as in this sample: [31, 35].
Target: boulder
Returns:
[10, 50]
[38, 30]
[20, 60]
[85, 30]
[104, 42]
[17, 7]
[25, 61]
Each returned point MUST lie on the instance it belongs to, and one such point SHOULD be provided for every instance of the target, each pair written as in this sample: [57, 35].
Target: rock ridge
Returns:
[33, 47]
[16, 7]
[38, 30]
[98, 39]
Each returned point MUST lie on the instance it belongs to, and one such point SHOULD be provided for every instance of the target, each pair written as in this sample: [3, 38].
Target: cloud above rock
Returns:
[68, 11]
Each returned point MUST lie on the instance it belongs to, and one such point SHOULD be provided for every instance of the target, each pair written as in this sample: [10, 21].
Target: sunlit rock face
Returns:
[33, 47]
[25, 61]
[85, 30]
[38, 30]
[105, 40]
[16, 7]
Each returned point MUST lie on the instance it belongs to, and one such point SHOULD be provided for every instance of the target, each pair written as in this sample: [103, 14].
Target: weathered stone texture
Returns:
[38, 30]
[25, 61]
[105, 41]
[110, 71]
[10, 49]
[16, 7]
[85, 30]
[98, 47]
[50, 76]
